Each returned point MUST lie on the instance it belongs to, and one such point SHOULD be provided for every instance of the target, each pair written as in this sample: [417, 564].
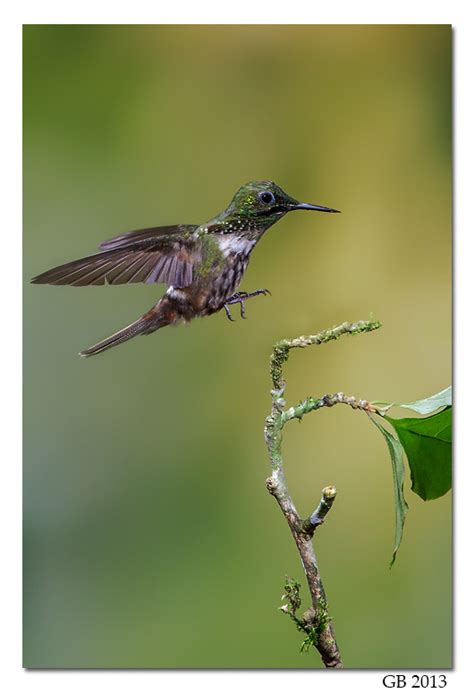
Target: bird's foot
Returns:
[240, 297]
[228, 313]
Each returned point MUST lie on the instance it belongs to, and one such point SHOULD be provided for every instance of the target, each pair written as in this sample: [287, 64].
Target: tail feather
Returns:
[143, 325]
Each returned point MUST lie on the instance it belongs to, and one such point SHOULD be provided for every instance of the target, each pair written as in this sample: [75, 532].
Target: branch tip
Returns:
[329, 492]
[317, 517]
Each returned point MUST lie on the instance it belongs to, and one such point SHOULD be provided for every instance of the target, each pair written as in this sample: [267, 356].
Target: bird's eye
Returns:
[266, 197]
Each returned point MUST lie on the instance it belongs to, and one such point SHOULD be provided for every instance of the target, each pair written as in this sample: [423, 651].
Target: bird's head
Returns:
[262, 203]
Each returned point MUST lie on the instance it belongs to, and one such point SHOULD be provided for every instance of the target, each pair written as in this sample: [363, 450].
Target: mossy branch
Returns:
[281, 350]
[315, 622]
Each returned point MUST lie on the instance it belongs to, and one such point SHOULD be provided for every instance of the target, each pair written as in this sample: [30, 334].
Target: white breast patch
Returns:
[235, 244]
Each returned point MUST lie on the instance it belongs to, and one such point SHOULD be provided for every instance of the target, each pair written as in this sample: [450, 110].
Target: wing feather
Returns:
[145, 237]
[127, 274]
[88, 275]
[165, 254]
[146, 269]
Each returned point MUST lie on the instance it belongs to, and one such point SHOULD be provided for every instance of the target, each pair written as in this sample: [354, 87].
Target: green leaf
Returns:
[398, 469]
[431, 404]
[427, 445]
[421, 406]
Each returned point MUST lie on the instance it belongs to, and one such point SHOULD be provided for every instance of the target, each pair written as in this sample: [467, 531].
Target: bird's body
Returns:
[202, 265]
[224, 260]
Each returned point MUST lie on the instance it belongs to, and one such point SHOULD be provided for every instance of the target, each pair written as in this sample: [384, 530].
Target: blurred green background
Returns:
[149, 537]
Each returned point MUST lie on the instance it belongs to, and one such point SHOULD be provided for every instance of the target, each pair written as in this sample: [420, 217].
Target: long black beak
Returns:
[315, 208]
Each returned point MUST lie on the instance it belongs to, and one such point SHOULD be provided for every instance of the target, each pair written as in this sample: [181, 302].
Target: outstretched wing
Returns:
[144, 237]
[165, 254]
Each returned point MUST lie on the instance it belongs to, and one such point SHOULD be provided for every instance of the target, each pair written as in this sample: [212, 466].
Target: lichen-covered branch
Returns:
[311, 404]
[316, 622]
[282, 348]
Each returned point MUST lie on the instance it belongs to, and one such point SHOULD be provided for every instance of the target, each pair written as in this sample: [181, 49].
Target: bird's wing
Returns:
[146, 236]
[162, 255]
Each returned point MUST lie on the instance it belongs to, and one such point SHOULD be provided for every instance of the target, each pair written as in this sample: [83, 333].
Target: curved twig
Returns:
[316, 622]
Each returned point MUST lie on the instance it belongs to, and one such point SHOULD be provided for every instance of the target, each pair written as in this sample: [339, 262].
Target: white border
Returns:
[207, 12]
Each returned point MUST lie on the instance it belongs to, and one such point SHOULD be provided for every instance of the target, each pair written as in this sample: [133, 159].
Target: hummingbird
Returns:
[201, 264]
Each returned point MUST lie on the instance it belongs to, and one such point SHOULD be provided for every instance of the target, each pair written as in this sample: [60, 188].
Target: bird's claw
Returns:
[240, 297]
[228, 313]
[262, 292]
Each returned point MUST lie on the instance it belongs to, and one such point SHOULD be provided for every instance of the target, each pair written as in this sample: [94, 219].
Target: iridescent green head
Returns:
[262, 203]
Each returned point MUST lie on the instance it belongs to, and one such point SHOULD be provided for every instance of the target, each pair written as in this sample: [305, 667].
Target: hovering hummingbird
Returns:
[202, 265]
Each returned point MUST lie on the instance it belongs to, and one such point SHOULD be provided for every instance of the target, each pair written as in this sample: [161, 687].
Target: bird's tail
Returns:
[147, 324]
